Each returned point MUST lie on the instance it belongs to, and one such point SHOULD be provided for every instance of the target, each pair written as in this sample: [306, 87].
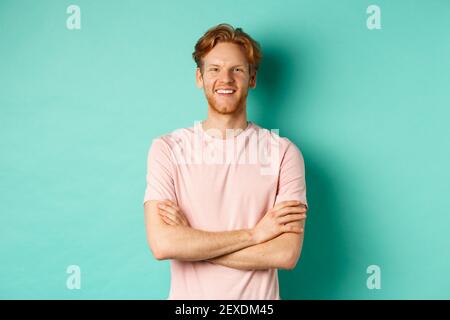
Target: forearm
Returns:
[281, 252]
[188, 244]
[175, 239]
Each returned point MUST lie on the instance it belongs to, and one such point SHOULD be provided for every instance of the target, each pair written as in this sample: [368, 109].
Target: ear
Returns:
[199, 78]
[252, 82]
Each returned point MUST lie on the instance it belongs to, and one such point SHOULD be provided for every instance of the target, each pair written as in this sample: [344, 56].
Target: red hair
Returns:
[226, 33]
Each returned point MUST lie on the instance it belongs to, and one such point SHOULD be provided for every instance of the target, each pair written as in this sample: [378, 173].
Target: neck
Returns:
[222, 122]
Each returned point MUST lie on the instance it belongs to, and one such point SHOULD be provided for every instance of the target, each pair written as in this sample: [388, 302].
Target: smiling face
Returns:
[226, 78]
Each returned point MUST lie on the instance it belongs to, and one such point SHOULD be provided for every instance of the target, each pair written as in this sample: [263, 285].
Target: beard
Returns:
[222, 106]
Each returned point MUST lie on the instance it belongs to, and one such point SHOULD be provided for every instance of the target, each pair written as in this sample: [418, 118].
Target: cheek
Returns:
[244, 79]
[208, 84]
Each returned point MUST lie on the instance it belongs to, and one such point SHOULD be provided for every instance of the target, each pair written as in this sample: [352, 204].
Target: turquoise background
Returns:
[368, 108]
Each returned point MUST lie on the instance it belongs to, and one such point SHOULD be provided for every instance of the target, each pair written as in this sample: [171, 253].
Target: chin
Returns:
[222, 107]
[225, 109]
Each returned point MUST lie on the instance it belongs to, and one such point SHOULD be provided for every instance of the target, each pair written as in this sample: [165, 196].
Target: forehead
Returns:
[226, 53]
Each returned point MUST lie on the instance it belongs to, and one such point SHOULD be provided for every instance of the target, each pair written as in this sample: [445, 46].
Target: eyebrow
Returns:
[216, 65]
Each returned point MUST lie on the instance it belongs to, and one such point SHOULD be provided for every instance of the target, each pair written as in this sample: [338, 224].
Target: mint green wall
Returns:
[368, 108]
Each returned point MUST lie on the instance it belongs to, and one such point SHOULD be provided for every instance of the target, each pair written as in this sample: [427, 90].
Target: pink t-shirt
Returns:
[221, 185]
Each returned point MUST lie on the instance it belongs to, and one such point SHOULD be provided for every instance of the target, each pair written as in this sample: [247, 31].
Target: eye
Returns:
[238, 69]
[214, 69]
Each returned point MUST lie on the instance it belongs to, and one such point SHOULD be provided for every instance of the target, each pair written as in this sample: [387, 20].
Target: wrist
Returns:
[253, 237]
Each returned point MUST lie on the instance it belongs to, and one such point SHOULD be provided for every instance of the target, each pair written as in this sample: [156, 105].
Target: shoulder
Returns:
[169, 140]
[284, 144]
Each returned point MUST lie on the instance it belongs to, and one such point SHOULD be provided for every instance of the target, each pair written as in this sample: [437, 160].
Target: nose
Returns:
[226, 76]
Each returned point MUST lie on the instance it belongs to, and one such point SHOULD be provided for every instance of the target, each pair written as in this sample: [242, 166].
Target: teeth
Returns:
[225, 91]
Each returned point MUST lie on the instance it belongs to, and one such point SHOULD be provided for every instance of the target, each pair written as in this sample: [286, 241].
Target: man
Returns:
[225, 216]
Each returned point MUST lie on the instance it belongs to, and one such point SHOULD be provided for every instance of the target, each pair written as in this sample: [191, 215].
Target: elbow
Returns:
[159, 254]
[289, 265]
[159, 250]
[290, 260]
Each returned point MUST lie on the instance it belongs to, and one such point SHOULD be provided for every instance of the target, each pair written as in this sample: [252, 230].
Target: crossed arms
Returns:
[275, 242]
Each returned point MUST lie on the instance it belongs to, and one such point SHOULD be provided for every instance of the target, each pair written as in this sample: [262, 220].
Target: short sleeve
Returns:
[160, 172]
[291, 183]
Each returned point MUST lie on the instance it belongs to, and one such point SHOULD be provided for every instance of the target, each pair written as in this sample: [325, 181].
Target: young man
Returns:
[225, 214]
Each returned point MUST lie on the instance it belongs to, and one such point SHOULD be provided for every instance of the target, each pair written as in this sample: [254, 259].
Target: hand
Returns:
[279, 220]
[171, 214]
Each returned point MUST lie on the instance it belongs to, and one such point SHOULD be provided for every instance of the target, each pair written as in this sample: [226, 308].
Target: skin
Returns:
[226, 66]
[285, 220]
[276, 241]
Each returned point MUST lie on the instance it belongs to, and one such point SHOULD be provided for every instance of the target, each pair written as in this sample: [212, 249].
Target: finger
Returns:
[171, 216]
[164, 213]
[288, 210]
[168, 208]
[283, 204]
[291, 218]
[174, 211]
[177, 217]
[292, 228]
[169, 203]
[167, 220]
[184, 221]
